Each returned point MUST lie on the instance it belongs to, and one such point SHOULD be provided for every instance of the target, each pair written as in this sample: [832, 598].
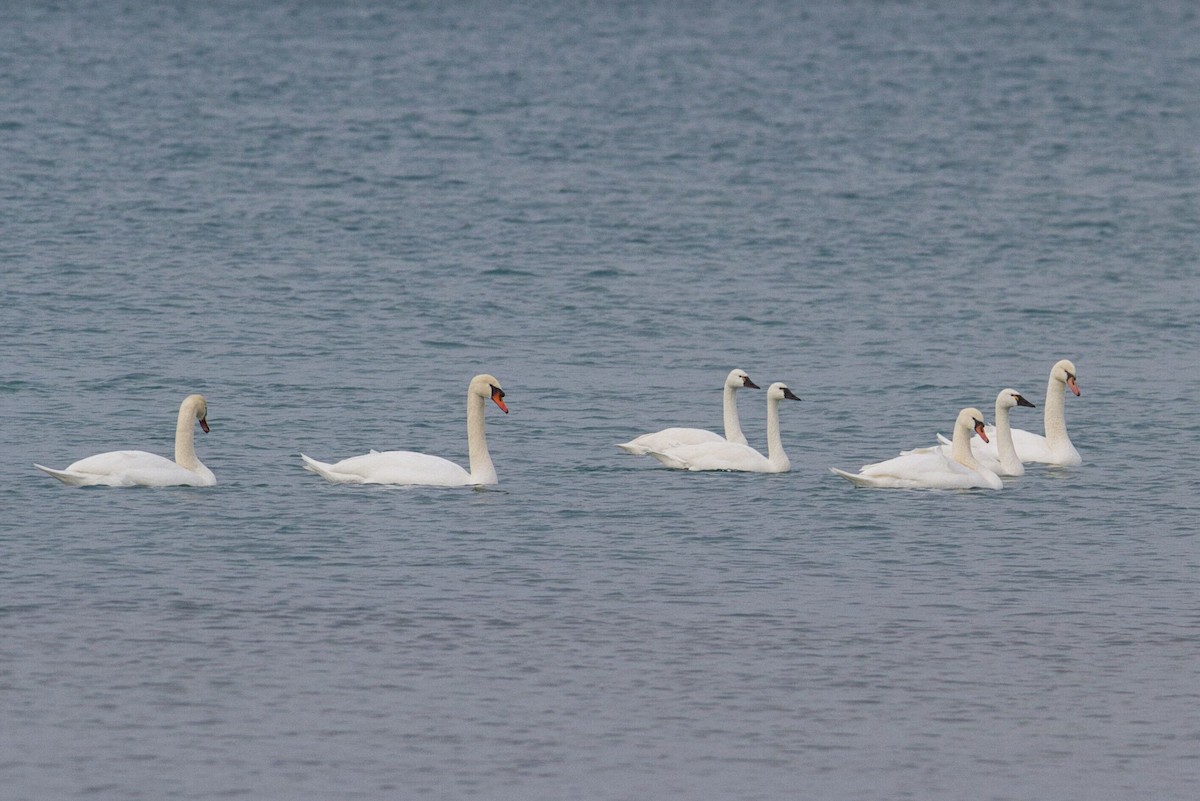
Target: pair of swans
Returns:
[142, 469]
[997, 453]
[1000, 450]
[697, 449]
[1055, 447]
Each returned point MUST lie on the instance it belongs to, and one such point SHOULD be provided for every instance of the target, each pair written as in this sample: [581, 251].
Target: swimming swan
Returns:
[142, 469]
[675, 437]
[732, 455]
[407, 467]
[998, 455]
[1055, 447]
[930, 468]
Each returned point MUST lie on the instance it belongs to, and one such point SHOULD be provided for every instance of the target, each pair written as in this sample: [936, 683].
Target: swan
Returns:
[930, 468]
[998, 455]
[407, 467]
[1055, 447]
[723, 455]
[142, 469]
[675, 437]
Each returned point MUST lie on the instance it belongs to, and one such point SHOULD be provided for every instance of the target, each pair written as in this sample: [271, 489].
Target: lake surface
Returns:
[327, 217]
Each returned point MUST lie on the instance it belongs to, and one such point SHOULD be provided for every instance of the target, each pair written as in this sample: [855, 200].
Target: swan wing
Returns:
[668, 439]
[921, 468]
[1033, 447]
[721, 455]
[129, 469]
[979, 449]
[392, 467]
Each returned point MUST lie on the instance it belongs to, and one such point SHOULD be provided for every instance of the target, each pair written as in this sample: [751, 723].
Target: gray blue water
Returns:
[328, 216]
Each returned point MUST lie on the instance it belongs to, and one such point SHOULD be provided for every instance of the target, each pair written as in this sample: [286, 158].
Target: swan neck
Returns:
[1055, 417]
[185, 438]
[733, 426]
[482, 469]
[960, 447]
[775, 452]
[1004, 441]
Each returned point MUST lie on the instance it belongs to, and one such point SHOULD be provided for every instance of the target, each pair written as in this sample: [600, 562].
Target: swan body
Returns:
[998, 455]
[932, 468]
[1055, 446]
[722, 455]
[409, 468]
[142, 469]
[676, 437]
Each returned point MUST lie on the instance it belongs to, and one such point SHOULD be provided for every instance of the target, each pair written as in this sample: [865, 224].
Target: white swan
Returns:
[142, 469]
[930, 468]
[723, 455]
[997, 455]
[1055, 447]
[676, 437]
[407, 467]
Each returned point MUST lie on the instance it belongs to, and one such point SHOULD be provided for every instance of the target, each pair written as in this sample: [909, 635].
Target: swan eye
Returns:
[496, 391]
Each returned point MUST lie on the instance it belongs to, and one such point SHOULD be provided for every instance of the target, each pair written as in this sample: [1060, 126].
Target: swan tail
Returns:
[630, 447]
[666, 459]
[854, 478]
[320, 468]
[73, 479]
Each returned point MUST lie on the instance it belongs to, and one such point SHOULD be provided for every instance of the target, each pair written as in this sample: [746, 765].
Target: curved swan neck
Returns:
[733, 426]
[482, 469]
[185, 438]
[775, 453]
[960, 446]
[1004, 441]
[1055, 419]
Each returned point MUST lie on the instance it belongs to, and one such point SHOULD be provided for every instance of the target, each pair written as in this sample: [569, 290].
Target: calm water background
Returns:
[327, 217]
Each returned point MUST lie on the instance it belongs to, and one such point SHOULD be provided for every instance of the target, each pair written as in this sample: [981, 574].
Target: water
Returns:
[328, 218]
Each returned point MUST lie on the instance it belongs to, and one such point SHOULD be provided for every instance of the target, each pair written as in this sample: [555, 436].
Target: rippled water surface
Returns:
[327, 217]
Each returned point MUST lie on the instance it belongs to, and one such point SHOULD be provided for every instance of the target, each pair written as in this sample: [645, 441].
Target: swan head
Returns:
[779, 391]
[737, 379]
[1064, 372]
[199, 405]
[972, 419]
[1008, 398]
[488, 386]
